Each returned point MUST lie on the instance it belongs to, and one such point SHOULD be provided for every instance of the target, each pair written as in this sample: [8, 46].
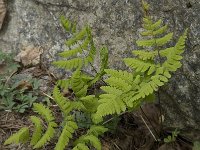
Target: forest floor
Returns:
[131, 133]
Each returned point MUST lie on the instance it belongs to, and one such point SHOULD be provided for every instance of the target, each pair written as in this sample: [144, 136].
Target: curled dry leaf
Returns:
[2, 12]
[30, 55]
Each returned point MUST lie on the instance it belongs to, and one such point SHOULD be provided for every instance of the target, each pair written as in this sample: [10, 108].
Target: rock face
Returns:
[115, 23]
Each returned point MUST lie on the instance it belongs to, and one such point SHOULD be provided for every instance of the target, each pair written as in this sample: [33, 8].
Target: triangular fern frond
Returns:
[22, 136]
[66, 134]
[37, 133]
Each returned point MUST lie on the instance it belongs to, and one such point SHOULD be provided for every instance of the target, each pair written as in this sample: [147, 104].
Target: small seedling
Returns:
[172, 138]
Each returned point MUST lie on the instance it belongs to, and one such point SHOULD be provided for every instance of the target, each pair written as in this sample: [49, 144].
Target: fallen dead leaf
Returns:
[30, 55]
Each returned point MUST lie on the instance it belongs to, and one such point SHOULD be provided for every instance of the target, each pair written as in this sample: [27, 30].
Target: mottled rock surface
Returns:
[115, 23]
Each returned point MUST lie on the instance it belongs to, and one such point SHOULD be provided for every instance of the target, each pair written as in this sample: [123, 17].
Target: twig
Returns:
[47, 95]
[116, 146]
[149, 128]
[149, 121]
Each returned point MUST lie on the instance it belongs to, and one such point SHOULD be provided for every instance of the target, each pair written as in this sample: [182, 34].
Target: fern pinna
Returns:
[151, 68]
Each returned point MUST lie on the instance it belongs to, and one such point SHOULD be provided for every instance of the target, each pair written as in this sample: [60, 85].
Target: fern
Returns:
[21, 136]
[149, 70]
[66, 134]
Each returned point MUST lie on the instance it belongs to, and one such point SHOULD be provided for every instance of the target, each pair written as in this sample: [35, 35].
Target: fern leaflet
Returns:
[22, 136]
[37, 133]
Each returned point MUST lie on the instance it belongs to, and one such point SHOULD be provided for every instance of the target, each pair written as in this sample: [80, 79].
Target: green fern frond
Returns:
[43, 111]
[22, 136]
[48, 135]
[66, 134]
[37, 133]
[78, 85]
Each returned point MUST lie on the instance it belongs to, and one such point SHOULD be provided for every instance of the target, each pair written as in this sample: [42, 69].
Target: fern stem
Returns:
[92, 65]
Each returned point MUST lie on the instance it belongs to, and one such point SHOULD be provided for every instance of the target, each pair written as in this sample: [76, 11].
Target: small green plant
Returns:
[150, 68]
[172, 138]
[14, 95]
[196, 145]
